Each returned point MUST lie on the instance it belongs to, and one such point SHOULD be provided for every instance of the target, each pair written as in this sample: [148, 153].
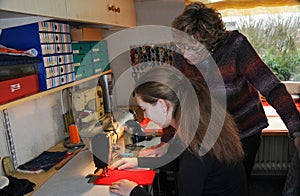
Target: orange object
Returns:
[74, 134]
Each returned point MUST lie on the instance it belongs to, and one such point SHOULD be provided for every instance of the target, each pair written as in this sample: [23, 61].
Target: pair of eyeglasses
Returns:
[185, 47]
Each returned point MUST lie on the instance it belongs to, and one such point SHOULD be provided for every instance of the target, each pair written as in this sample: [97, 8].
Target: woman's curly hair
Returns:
[203, 23]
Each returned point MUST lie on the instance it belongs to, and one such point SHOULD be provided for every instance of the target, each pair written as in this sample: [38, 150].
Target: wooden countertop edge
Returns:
[274, 132]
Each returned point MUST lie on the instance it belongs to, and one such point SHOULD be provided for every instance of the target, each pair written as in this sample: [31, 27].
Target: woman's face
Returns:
[158, 112]
[192, 50]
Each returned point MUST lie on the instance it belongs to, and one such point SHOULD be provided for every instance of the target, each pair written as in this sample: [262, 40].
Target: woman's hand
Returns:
[125, 163]
[122, 187]
[156, 151]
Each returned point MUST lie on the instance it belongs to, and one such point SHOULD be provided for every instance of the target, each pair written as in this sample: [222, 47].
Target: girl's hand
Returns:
[125, 163]
[122, 187]
[148, 152]
[155, 151]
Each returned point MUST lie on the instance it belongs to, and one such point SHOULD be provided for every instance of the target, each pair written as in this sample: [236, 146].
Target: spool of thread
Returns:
[74, 134]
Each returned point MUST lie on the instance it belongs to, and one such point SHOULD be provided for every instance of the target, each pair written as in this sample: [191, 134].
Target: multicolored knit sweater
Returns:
[245, 75]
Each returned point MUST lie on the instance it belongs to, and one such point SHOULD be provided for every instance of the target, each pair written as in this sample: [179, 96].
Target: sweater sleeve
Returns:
[260, 76]
[167, 134]
[138, 191]
[169, 160]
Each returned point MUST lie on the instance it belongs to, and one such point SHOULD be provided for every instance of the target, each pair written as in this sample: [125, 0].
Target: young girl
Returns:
[206, 142]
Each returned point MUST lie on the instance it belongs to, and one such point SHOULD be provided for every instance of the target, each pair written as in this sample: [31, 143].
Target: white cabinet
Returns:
[122, 12]
[91, 11]
[48, 8]
[111, 12]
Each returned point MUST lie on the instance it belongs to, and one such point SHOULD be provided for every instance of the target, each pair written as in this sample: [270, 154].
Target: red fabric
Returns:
[145, 122]
[141, 177]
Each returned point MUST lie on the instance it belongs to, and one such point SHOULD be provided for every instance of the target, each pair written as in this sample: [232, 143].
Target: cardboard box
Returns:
[86, 34]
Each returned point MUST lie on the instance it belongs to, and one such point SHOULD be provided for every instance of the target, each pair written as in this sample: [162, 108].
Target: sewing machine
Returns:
[88, 105]
[101, 130]
[104, 143]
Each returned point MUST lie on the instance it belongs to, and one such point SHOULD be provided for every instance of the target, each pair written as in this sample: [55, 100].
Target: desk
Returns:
[276, 126]
[70, 179]
[41, 178]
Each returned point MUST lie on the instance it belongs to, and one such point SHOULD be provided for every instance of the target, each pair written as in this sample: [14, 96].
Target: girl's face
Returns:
[158, 112]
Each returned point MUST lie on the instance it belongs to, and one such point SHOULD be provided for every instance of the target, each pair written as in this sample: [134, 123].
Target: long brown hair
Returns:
[203, 23]
[165, 83]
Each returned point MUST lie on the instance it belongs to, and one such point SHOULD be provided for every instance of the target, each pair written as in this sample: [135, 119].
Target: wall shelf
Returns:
[50, 91]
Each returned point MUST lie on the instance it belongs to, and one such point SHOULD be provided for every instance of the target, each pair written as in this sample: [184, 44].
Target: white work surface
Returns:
[70, 179]
[275, 122]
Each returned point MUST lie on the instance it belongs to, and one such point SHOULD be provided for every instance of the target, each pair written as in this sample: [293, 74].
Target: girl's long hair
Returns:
[162, 83]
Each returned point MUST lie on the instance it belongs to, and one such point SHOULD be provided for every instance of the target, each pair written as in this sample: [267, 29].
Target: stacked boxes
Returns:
[86, 34]
[83, 62]
[90, 58]
[100, 56]
[18, 77]
[52, 41]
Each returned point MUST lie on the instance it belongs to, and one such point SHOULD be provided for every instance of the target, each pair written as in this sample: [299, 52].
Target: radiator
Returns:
[274, 155]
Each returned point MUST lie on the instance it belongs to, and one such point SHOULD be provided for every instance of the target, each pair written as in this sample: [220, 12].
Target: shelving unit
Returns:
[41, 94]
[14, 13]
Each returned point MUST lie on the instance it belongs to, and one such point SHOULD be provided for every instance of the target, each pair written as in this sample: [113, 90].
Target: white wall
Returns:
[157, 12]
[148, 12]
[36, 126]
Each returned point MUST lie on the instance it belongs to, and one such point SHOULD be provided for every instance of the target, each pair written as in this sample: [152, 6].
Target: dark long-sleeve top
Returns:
[206, 176]
[139, 191]
[245, 75]
[199, 175]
